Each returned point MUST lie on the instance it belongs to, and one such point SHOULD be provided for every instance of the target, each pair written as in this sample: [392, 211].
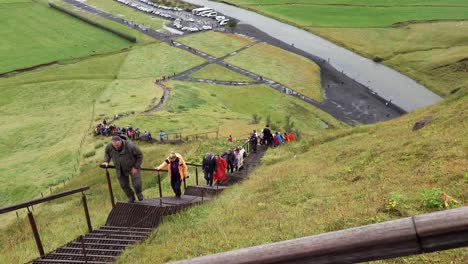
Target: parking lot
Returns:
[181, 19]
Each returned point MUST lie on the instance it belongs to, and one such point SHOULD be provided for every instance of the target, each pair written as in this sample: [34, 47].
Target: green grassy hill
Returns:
[331, 179]
[47, 113]
[345, 178]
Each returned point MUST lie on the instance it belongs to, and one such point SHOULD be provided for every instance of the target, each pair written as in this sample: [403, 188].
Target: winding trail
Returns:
[388, 83]
[345, 99]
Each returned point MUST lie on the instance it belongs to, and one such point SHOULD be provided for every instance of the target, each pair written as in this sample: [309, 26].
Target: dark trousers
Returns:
[253, 146]
[124, 181]
[175, 184]
[230, 166]
[209, 177]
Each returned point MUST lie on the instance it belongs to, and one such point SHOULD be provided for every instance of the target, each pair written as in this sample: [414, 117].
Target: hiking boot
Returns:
[131, 199]
[140, 196]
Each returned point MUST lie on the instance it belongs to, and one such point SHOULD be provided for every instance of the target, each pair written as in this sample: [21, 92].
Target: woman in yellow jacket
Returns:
[177, 171]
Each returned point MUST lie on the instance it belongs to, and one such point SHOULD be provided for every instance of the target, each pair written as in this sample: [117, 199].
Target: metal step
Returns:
[91, 251]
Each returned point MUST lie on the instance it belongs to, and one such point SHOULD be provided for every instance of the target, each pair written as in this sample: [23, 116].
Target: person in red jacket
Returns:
[220, 173]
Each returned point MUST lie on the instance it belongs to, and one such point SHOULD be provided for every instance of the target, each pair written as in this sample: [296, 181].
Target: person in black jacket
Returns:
[268, 136]
[253, 141]
[209, 167]
[231, 160]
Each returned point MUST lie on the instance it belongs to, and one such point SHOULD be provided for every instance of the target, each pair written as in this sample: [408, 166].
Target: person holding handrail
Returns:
[177, 171]
[127, 158]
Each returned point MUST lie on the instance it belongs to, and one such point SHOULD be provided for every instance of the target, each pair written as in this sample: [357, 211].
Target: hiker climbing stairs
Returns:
[131, 223]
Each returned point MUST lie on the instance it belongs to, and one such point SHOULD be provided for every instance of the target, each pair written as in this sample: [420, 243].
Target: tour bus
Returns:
[197, 11]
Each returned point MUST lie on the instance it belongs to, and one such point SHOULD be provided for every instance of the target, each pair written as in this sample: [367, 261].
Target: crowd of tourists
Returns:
[107, 129]
[127, 157]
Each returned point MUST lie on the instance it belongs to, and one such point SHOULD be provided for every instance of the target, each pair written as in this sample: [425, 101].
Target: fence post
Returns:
[185, 185]
[196, 175]
[86, 211]
[32, 222]
[109, 185]
[159, 185]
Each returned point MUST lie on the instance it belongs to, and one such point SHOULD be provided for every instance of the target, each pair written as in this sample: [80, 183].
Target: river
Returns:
[386, 82]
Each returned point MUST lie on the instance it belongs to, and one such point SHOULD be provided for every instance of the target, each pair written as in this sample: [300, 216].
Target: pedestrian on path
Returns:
[177, 171]
[127, 158]
[253, 141]
[161, 135]
[209, 167]
[230, 159]
[220, 173]
[268, 136]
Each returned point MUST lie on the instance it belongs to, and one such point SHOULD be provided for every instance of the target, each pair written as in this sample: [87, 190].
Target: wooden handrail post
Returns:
[86, 211]
[196, 175]
[37, 238]
[185, 185]
[109, 185]
[159, 185]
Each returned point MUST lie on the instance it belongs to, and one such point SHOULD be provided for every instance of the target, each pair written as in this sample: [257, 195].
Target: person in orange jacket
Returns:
[177, 171]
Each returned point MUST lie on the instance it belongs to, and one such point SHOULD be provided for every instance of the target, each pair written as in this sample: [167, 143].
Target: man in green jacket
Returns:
[127, 158]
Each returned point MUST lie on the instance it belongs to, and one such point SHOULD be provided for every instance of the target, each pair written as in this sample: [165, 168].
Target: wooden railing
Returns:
[408, 236]
[32, 222]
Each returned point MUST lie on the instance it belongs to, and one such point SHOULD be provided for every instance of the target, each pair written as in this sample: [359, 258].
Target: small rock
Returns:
[420, 124]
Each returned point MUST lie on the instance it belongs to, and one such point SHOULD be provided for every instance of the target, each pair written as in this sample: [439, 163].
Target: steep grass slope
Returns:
[330, 182]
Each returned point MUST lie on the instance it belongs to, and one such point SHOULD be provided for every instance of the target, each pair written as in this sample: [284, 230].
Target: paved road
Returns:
[386, 82]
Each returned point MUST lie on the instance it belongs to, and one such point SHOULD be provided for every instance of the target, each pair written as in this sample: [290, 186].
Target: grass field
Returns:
[230, 108]
[291, 70]
[33, 33]
[157, 60]
[58, 104]
[433, 53]
[344, 179]
[330, 180]
[140, 37]
[215, 43]
[192, 108]
[216, 72]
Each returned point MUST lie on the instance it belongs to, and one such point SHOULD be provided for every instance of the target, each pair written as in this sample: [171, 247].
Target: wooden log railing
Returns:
[408, 236]
[32, 221]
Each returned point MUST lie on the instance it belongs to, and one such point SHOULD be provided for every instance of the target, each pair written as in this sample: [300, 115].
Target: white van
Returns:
[198, 11]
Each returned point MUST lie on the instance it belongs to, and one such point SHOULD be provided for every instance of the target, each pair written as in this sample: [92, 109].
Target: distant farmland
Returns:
[33, 33]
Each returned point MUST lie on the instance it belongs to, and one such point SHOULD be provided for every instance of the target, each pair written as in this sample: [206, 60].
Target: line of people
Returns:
[216, 166]
[267, 138]
[127, 158]
[107, 130]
